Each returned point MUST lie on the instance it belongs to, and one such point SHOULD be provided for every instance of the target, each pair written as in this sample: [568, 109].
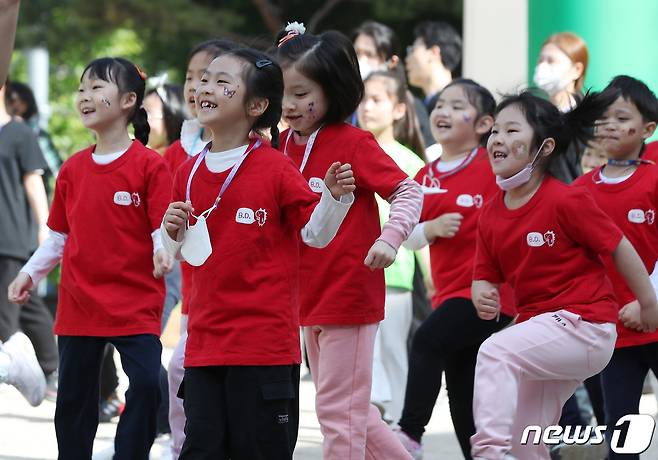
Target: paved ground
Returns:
[28, 433]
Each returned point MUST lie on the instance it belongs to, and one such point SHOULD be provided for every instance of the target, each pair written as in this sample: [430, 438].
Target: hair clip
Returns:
[141, 73]
[294, 29]
[263, 63]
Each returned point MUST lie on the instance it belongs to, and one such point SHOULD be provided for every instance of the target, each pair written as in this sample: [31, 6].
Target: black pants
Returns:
[240, 412]
[76, 414]
[623, 380]
[33, 318]
[447, 341]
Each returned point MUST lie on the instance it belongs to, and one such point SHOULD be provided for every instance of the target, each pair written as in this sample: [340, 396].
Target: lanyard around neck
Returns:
[226, 183]
[307, 150]
[454, 170]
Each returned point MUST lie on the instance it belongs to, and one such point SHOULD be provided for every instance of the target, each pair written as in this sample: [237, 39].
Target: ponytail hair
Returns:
[141, 125]
[129, 78]
[406, 130]
[263, 79]
[575, 127]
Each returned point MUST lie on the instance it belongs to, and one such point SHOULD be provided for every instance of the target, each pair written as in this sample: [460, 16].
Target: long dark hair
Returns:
[173, 109]
[129, 79]
[263, 79]
[575, 127]
[406, 130]
[329, 60]
[25, 94]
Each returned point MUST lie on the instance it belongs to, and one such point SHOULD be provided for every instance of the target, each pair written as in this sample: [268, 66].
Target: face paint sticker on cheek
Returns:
[519, 149]
[466, 117]
[229, 93]
[631, 131]
[105, 101]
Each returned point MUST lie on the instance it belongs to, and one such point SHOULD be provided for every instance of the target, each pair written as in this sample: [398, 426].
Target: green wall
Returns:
[621, 35]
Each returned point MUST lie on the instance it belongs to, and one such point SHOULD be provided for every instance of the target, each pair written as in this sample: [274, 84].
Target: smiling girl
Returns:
[546, 240]
[108, 204]
[322, 88]
[242, 357]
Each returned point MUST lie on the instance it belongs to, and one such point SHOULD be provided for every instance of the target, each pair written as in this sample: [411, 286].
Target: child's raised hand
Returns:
[19, 289]
[380, 255]
[340, 179]
[176, 217]
[630, 316]
[446, 225]
[163, 263]
[486, 299]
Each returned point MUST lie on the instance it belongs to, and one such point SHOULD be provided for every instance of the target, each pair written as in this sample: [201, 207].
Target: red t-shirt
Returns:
[632, 205]
[549, 251]
[174, 156]
[452, 258]
[109, 212]
[338, 288]
[244, 309]
[651, 151]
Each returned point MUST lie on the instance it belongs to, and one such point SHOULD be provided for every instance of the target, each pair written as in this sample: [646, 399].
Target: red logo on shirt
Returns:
[478, 200]
[549, 237]
[261, 217]
[136, 199]
[650, 216]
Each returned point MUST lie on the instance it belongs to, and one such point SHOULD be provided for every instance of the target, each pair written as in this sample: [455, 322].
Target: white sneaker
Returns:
[24, 371]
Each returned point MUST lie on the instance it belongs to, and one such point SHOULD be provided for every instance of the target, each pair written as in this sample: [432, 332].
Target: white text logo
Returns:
[632, 434]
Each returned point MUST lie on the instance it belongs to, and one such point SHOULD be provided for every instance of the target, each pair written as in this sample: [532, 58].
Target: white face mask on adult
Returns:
[365, 68]
[520, 177]
[552, 78]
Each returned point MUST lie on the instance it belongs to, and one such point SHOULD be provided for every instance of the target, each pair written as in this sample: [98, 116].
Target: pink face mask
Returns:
[520, 177]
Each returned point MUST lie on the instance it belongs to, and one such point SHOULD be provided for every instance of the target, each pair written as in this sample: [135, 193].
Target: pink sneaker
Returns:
[412, 446]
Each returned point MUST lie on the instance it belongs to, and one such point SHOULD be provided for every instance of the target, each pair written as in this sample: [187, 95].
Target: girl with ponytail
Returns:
[240, 209]
[108, 205]
[547, 240]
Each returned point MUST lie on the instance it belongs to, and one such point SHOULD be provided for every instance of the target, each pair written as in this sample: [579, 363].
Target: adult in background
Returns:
[22, 103]
[378, 48]
[560, 72]
[433, 58]
[25, 211]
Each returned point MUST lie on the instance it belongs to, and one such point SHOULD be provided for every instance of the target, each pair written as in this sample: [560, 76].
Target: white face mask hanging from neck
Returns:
[521, 177]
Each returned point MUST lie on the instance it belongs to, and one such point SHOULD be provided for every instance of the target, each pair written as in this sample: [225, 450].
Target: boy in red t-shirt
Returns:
[627, 190]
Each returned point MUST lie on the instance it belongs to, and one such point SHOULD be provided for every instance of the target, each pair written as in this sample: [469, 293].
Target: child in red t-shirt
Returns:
[342, 300]
[456, 187]
[242, 356]
[193, 138]
[626, 189]
[108, 204]
[546, 240]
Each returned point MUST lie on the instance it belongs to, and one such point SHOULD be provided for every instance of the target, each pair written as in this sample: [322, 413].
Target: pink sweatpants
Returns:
[340, 358]
[525, 374]
[176, 411]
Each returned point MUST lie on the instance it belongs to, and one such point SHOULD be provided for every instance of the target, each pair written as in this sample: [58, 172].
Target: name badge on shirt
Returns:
[123, 199]
[536, 239]
[638, 216]
[248, 216]
[315, 183]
